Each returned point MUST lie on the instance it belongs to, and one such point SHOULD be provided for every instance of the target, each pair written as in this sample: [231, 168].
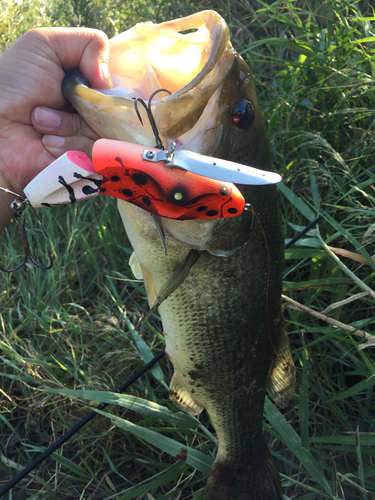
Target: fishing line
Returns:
[293, 240]
[320, 217]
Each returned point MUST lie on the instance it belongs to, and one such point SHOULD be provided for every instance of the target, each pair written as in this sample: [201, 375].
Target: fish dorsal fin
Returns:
[282, 375]
[182, 397]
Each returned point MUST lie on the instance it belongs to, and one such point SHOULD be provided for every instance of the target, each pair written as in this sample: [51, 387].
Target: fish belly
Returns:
[220, 335]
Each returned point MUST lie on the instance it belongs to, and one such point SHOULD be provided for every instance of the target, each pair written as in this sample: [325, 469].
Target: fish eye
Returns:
[243, 114]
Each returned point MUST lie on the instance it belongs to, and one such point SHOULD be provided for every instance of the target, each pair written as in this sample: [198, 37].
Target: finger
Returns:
[83, 47]
[57, 145]
[52, 122]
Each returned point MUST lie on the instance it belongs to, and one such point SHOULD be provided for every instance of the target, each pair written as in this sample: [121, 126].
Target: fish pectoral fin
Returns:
[282, 375]
[177, 278]
[143, 274]
[135, 266]
[182, 397]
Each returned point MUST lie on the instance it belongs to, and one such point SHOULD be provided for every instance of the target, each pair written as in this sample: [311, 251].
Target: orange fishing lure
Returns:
[162, 190]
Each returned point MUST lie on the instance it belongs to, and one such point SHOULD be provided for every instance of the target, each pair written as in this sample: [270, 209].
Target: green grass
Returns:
[70, 329]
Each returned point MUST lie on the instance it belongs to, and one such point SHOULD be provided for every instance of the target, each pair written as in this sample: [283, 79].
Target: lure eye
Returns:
[179, 195]
[243, 114]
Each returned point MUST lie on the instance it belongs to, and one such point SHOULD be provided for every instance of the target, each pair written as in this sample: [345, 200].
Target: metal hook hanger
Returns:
[18, 206]
[147, 107]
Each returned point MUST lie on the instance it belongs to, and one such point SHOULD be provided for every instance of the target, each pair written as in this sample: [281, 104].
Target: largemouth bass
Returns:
[219, 286]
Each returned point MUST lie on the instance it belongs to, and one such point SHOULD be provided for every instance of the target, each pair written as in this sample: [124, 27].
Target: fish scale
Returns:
[218, 289]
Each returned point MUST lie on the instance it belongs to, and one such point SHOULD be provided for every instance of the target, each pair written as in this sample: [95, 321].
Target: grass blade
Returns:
[195, 458]
[291, 439]
[142, 406]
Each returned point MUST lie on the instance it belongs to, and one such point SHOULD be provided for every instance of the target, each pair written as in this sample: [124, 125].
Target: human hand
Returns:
[31, 72]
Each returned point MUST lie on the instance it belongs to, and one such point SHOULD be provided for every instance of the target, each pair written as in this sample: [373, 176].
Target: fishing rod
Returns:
[135, 377]
[76, 428]
[320, 217]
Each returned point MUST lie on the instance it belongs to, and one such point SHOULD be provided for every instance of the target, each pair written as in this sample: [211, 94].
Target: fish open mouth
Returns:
[191, 57]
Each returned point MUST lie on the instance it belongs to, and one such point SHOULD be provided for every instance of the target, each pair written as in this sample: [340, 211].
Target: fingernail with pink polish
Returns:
[47, 117]
[53, 141]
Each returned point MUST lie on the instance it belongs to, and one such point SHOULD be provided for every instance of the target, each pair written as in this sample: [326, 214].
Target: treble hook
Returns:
[157, 219]
[147, 107]
[18, 206]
